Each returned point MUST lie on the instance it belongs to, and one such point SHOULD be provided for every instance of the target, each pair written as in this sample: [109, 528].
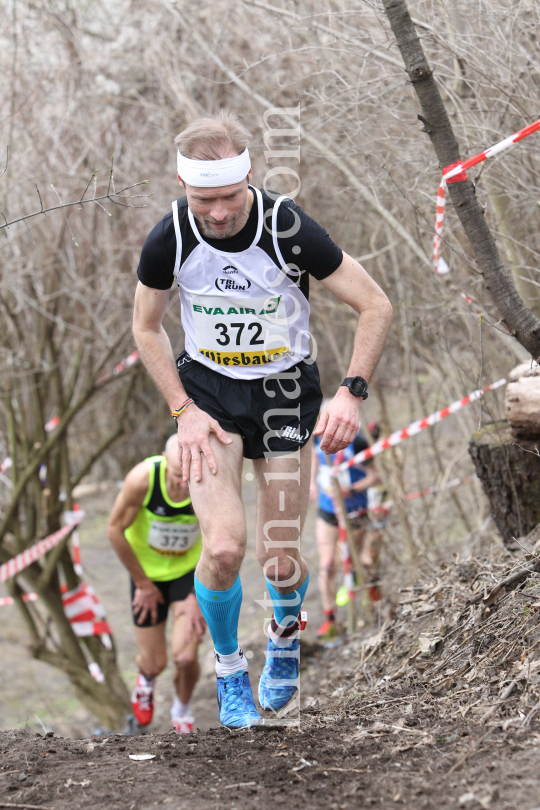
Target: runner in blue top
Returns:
[354, 484]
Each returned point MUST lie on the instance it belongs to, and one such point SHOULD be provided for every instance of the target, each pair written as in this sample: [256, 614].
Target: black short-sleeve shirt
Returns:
[310, 249]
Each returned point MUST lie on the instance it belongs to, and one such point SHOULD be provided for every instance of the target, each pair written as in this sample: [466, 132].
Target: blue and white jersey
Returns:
[358, 500]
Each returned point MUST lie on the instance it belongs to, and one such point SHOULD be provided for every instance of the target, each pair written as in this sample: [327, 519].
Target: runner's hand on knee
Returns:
[146, 600]
[194, 429]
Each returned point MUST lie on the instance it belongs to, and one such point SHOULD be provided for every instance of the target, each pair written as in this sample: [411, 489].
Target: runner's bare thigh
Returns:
[284, 499]
[218, 505]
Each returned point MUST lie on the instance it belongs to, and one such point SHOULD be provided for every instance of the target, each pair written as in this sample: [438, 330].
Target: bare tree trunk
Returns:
[509, 472]
[520, 321]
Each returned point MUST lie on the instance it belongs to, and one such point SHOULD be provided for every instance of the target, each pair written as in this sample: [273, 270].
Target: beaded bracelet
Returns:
[177, 411]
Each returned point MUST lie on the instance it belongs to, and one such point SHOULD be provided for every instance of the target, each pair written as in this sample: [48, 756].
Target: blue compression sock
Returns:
[287, 605]
[221, 610]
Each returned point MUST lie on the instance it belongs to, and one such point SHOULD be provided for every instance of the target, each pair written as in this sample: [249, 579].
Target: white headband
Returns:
[214, 173]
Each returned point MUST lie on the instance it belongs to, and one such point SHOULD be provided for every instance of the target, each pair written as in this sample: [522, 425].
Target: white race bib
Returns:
[240, 331]
[173, 538]
[324, 479]
[374, 497]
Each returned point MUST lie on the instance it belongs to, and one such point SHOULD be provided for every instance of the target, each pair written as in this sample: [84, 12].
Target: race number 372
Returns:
[240, 331]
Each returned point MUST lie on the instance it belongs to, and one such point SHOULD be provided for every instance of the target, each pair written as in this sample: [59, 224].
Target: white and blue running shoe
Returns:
[235, 701]
[279, 679]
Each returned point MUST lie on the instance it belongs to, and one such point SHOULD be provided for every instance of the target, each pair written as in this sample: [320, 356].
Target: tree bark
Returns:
[521, 322]
[510, 474]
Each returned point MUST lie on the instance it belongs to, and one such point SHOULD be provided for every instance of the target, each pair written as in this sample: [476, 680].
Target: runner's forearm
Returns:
[127, 556]
[156, 353]
[353, 286]
[371, 480]
[369, 340]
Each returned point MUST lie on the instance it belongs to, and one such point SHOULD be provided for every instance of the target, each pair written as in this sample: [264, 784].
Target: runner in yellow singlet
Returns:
[156, 534]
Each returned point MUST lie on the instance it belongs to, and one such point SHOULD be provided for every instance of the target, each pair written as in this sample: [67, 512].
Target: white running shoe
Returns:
[184, 725]
[142, 700]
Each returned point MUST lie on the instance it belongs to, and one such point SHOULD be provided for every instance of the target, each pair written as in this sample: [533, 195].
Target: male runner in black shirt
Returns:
[246, 385]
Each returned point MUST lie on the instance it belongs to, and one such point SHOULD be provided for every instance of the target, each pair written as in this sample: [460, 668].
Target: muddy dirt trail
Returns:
[321, 765]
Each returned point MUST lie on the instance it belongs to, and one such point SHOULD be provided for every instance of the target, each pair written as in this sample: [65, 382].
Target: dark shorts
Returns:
[259, 410]
[174, 590]
[359, 522]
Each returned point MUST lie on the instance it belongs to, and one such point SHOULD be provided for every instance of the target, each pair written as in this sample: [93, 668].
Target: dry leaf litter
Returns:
[463, 643]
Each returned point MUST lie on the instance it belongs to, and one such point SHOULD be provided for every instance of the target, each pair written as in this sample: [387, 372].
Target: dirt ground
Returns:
[322, 764]
[379, 724]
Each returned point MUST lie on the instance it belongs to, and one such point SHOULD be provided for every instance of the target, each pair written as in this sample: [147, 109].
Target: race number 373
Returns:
[172, 538]
[240, 331]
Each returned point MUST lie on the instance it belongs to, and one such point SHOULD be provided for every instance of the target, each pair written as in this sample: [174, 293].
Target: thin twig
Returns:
[110, 175]
[26, 806]
[470, 753]
[88, 184]
[110, 197]
[505, 695]
[39, 195]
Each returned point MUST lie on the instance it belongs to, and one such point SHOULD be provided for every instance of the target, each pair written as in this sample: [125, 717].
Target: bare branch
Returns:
[327, 153]
[94, 174]
[110, 197]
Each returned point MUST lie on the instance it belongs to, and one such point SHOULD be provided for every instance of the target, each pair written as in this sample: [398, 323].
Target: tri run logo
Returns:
[227, 284]
[293, 434]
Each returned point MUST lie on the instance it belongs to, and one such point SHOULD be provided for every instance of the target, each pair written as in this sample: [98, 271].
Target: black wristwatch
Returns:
[357, 386]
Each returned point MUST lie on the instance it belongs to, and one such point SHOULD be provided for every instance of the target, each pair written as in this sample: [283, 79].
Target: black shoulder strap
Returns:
[156, 498]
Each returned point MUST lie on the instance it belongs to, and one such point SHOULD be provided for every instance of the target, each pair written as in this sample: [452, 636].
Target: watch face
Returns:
[358, 386]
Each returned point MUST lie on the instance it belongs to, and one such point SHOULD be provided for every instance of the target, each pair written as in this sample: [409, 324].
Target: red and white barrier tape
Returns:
[344, 551]
[26, 597]
[85, 612]
[385, 506]
[69, 517]
[128, 361]
[440, 265]
[415, 427]
[82, 607]
[470, 299]
[30, 555]
[52, 423]
[76, 553]
[433, 490]
[86, 615]
[456, 173]
[6, 464]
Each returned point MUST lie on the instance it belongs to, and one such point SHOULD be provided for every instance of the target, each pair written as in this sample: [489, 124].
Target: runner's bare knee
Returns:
[329, 569]
[184, 657]
[224, 542]
[152, 667]
[279, 567]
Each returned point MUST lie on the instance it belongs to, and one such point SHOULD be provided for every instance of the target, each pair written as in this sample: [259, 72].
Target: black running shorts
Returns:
[174, 590]
[259, 410]
[359, 522]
